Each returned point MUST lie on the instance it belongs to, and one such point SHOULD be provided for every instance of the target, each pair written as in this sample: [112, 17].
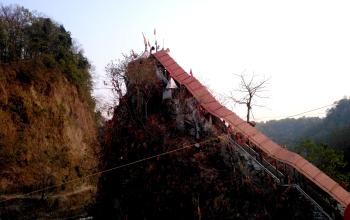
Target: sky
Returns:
[302, 46]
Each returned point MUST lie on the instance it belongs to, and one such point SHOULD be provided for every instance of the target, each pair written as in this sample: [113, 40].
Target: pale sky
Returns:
[303, 46]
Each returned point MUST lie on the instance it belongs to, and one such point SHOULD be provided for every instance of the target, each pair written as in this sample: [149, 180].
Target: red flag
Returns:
[191, 72]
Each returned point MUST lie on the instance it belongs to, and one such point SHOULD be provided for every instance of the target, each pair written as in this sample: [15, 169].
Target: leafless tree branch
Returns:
[250, 89]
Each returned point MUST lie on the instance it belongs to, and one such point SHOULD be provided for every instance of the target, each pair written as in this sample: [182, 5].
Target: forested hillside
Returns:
[290, 130]
[334, 129]
[47, 121]
[325, 142]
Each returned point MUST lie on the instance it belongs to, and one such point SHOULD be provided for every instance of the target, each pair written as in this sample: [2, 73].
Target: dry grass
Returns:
[47, 133]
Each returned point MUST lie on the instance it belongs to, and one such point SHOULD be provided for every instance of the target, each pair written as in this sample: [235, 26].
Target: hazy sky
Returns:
[304, 46]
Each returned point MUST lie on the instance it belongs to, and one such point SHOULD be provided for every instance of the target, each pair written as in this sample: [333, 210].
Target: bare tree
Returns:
[250, 89]
[116, 72]
[135, 76]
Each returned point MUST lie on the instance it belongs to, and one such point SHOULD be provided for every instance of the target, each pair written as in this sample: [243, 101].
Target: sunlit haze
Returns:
[303, 46]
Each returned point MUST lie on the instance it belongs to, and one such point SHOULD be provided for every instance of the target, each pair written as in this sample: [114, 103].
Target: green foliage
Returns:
[25, 36]
[333, 130]
[326, 158]
[336, 127]
[338, 116]
[290, 130]
[328, 139]
[13, 21]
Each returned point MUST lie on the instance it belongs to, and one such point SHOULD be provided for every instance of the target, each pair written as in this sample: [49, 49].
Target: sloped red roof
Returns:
[272, 149]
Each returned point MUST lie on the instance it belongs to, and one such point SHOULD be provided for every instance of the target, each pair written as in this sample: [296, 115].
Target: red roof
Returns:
[272, 149]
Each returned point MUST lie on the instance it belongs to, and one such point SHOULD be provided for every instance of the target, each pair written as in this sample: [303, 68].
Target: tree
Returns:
[328, 159]
[116, 72]
[133, 79]
[250, 89]
[12, 36]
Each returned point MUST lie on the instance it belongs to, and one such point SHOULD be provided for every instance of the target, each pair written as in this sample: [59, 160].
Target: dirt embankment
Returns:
[47, 136]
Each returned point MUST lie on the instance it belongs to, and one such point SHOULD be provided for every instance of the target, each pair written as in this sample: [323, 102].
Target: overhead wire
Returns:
[269, 117]
[298, 114]
[113, 168]
[312, 110]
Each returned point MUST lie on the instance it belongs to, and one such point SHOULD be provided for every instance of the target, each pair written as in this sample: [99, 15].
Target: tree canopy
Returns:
[325, 142]
[26, 36]
[333, 130]
[328, 159]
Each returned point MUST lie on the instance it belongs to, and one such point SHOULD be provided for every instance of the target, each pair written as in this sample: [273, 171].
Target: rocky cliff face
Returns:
[47, 137]
[209, 179]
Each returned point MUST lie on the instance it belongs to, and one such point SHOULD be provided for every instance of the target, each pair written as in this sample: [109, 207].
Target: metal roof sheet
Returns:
[165, 59]
[270, 146]
[282, 153]
[234, 120]
[259, 138]
[223, 112]
[213, 106]
[194, 85]
[340, 193]
[201, 92]
[162, 56]
[293, 158]
[201, 97]
[188, 80]
[310, 169]
[325, 180]
[168, 62]
[178, 72]
[247, 129]
[182, 78]
[208, 102]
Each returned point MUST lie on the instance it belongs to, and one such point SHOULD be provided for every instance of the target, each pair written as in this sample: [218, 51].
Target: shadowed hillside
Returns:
[201, 177]
[47, 122]
[325, 142]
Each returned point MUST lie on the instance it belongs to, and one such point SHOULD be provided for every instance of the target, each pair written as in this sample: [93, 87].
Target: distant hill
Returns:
[289, 131]
[333, 130]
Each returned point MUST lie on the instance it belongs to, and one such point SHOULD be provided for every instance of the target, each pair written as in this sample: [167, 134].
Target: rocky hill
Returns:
[47, 120]
[200, 175]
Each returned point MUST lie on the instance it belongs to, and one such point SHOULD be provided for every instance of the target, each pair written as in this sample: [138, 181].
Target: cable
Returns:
[310, 110]
[302, 113]
[114, 168]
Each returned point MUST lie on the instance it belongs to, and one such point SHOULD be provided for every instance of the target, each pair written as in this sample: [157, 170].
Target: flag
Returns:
[144, 39]
[154, 32]
[191, 72]
[199, 212]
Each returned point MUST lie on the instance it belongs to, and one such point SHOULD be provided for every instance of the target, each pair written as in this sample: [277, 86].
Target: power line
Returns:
[275, 117]
[302, 113]
[114, 168]
[312, 110]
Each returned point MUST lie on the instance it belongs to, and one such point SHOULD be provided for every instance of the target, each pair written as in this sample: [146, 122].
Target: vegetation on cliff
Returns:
[205, 181]
[47, 120]
[27, 38]
[325, 142]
